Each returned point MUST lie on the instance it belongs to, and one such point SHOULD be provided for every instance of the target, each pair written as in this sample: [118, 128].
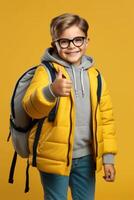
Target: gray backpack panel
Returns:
[20, 122]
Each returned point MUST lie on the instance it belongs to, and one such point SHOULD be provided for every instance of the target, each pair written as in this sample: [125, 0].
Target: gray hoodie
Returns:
[81, 86]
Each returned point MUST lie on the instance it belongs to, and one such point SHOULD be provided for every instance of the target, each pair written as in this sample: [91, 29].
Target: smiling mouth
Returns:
[73, 52]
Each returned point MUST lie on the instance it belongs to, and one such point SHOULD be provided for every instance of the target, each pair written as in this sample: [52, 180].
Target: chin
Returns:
[73, 60]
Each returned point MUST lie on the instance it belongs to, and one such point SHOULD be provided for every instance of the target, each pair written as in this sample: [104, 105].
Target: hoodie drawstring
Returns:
[75, 83]
[81, 80]
[82, 83]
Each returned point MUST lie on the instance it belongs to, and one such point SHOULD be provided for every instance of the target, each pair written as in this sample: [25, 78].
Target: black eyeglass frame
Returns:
[69, 41]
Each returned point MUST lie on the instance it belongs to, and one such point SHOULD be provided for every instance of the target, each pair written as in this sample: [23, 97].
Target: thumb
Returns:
[59, 74]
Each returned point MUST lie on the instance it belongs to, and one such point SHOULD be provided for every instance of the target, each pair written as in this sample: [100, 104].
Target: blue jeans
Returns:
[81, 181]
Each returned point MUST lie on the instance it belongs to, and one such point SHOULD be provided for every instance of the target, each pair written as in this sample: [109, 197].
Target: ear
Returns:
[54, 47]
[87, 41]
[53, 44]
[57, 47]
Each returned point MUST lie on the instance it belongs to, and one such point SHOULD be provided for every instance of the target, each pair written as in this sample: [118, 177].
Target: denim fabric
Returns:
[81, 181]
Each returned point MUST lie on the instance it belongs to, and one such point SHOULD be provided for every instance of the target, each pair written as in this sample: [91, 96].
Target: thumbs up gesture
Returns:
[61, 86]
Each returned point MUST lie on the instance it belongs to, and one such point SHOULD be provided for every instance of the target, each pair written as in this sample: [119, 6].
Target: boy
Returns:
[82, 136]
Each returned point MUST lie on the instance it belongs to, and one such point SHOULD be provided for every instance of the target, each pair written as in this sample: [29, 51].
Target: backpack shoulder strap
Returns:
[12, 169]
[51, 69]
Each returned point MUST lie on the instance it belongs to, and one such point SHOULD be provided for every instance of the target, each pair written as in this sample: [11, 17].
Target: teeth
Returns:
[72, 52]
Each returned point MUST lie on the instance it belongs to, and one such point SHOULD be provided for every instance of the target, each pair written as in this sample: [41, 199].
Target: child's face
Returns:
[72, 51]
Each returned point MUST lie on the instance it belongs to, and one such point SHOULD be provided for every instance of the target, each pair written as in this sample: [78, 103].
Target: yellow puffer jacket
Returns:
[55, 146]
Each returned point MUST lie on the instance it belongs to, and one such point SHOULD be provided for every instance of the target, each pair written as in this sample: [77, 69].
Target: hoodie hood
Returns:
[86, 62]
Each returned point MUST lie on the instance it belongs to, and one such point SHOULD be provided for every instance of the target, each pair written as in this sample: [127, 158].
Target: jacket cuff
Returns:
[49, 95]
[108, 158]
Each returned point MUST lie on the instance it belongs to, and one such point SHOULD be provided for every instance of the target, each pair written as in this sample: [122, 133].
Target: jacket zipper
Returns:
[96, 144]
[68, 162]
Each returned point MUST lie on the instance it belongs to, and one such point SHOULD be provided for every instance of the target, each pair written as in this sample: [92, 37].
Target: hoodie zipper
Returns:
[68, 161]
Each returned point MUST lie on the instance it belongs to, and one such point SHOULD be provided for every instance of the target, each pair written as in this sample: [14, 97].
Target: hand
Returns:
[109, 172]
[61, 86]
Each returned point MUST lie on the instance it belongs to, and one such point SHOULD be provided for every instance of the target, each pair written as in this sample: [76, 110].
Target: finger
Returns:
[68, 82]
[66, 94]
[108, 179]
[59, 74]
[107, 174]
[67, 87]
[112, 176]
[66, 91]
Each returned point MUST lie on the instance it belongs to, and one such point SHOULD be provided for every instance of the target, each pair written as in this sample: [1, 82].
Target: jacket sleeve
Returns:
[108, 123]
[35, 102]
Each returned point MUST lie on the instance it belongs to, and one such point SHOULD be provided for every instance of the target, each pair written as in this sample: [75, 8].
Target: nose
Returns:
[71, 45]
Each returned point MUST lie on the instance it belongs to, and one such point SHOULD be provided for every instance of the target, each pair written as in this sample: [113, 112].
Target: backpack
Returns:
[21, 123]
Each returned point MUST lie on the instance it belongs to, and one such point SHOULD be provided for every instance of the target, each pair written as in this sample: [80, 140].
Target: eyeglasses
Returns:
[65, 43]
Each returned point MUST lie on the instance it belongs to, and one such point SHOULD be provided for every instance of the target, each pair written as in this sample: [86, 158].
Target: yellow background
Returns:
[24, 37]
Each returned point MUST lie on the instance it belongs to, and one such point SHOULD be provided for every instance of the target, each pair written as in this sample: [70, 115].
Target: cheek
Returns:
[59, 51]
[83, 50]
[62, 54]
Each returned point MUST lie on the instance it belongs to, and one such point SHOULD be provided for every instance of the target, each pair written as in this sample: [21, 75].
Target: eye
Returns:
[63, 41]
[78, 39]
